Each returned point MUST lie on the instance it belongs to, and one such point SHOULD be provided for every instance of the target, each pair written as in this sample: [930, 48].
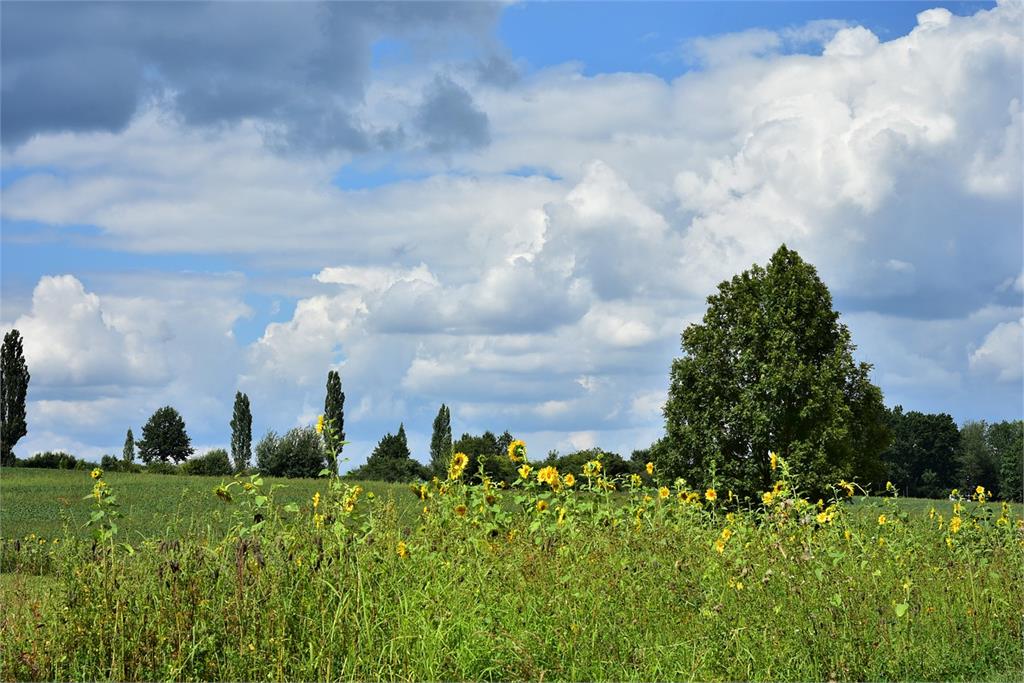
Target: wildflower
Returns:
[980, 490]
[822, 518]
[569, 480]
[517, 451]
[457, 465]
[316, 500]
[592, 468]
[767, 498]
[710, 495]
[773, 460]
[548, 475]
[954, 525]
[634, 480]
[542, 505]
[561, 515]
[847, 535]
[96, 473]
[726, 534]
[461, 510]
[663, 493]
[320, 425]
[949, 542]
[318, 521]
[739, 585]
[524, 471]
[650, 469]
[402, 549]
[720, 546]
[881, 520]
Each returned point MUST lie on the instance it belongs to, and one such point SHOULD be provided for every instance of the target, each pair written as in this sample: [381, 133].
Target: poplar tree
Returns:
[128, 455]
[14, 378]
[441, 441]
[241, 432]
[334, 416]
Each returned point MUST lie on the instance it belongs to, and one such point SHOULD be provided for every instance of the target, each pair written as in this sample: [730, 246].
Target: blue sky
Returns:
[514, 209]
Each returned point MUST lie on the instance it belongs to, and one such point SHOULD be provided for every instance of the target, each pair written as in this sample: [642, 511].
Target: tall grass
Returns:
[538, 581]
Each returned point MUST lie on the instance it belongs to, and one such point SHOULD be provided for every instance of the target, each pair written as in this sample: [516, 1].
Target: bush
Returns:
[111, 464]
[214, 463]
[161, 467]
[299, 453]
[51, 460]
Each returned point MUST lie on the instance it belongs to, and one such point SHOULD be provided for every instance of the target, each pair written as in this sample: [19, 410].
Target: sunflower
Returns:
[569, 480]
[549, 476]
[524, 471]
[773, 460]
[711, 495]
[461, 510]
[320, 425]
[457, 465]
[954, 525]
[592, 468]
[517, 451]
[650, 469]
[402, 550]
[663, 492]
[542, 505]
[96, 473]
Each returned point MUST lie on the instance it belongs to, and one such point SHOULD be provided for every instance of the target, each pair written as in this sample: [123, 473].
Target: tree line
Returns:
[769, 367]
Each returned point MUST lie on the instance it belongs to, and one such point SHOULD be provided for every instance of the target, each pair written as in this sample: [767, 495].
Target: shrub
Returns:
[161, 467]
[212, 464]
[299, 453]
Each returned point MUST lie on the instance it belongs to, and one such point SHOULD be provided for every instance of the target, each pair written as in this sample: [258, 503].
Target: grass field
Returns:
[545, 580]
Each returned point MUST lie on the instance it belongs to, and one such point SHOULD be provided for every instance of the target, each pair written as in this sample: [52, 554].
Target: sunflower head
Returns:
[517, 451]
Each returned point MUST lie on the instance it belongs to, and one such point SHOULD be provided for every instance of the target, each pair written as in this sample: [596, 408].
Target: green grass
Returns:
[460, 586]
[43, 502]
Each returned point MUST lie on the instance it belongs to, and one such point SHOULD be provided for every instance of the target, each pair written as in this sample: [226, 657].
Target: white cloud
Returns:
[1002, 352]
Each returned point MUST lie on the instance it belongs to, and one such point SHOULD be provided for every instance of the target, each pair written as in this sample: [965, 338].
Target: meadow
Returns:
[563, 575]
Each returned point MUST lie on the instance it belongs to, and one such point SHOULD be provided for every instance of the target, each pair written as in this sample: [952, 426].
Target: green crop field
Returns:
[557, 577]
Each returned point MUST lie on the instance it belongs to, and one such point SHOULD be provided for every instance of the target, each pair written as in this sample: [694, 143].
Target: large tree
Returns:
[979, 465]
[14, 378]
[334, 415]
[128, 453]
[391, 461]
[241, 432]
[164, 437]
[1007, 442]
[441, 442]
[921, 460]
[771, 368]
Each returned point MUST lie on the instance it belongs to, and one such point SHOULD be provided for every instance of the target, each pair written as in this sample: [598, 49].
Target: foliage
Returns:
[164, 437]
[603, 579]
[612, 464]
[14, 377]
[1006, 439]
[441, 442]
[921, 458]
[299, 453]
[391, 461]
[128, 453]
[213, 463]
[334, 415]
[53, 460]
[771, 367]
[485, 452]
[241, 432]
[978, 461]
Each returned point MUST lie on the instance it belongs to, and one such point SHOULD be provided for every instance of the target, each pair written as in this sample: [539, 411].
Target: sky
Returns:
[514, 209]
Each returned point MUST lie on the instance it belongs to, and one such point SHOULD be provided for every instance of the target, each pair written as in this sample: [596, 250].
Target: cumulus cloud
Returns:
[1002, 352]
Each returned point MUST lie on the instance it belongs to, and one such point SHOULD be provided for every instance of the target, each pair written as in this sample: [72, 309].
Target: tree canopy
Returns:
[164, 437]
[921, 459]
[441, 441]
[299, 453]
[771, 368]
